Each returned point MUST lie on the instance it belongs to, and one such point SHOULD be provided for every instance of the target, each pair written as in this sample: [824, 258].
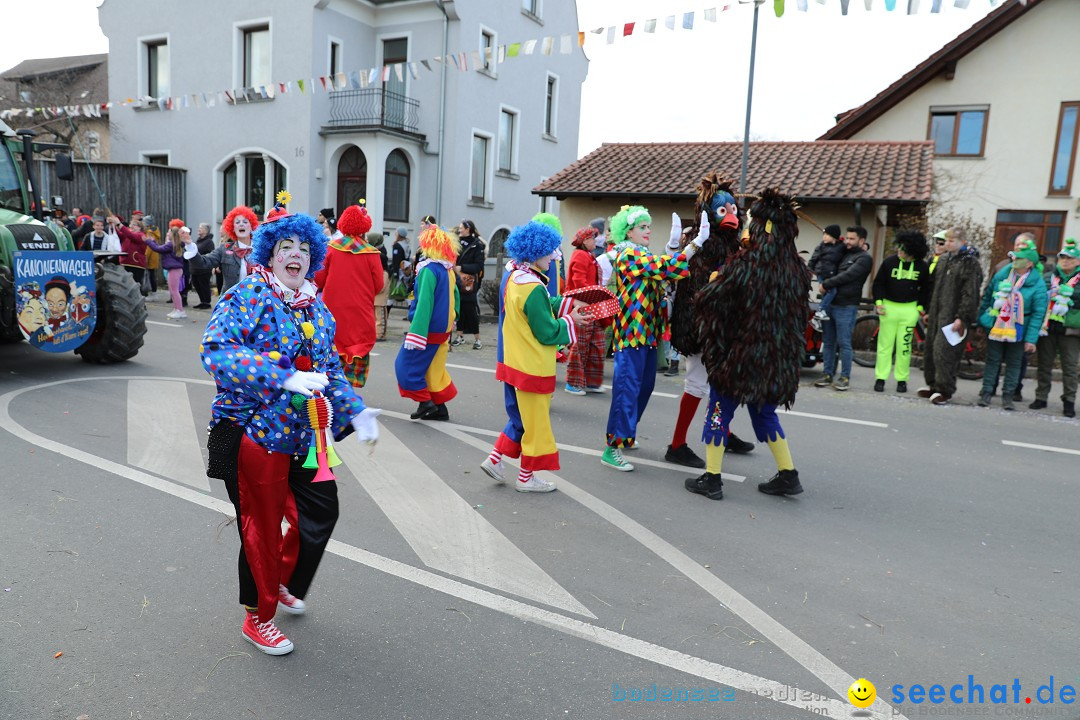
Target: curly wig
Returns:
[546, 218]
[533, 240]
[913, 243]
[268, 235]
[227, 224]
[630, 216]
[354, 221]
[438, 244]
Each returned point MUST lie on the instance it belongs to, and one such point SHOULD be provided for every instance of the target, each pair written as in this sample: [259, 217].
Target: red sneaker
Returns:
[290, 603]
[265, 636]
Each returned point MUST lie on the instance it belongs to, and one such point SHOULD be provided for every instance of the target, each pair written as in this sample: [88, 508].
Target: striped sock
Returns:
[495, 457]
[524, 476]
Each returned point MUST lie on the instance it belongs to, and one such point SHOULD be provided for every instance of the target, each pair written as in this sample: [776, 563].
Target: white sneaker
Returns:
[180, 315]
[172, 315]
[493, 470]
[289, 602]
[534, 484]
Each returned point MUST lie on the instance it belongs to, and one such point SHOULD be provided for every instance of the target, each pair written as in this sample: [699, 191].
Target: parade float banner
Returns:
[55, 298]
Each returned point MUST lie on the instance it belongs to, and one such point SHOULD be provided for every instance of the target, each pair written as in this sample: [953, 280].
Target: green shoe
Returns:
[842, 383]
[613, 459]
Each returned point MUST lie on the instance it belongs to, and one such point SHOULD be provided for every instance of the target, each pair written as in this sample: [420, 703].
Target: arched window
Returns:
[396, 206]
[495, 244]
[351, 178]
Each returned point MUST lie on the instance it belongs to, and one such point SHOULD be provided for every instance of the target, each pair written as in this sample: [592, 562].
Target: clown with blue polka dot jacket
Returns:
[269, 346]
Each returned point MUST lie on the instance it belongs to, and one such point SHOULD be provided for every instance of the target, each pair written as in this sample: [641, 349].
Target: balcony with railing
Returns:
[373, 109]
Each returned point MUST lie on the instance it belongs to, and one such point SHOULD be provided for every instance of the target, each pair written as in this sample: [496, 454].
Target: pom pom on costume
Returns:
[437, 244]
[630, 216]
[354, 221]
[269, 234]
[1001, 296]
[533, 240]
[227, 223]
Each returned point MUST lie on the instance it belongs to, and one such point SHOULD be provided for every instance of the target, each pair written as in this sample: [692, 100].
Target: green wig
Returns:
[546, 218]
[630, 216]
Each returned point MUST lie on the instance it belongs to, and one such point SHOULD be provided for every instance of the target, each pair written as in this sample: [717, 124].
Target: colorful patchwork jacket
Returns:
[640, 277]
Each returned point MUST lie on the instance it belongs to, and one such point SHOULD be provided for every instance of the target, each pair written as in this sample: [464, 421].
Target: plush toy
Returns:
[1001, 297]
[1061, 302]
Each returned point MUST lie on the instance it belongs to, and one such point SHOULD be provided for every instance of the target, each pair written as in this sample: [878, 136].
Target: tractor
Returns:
[57, 298]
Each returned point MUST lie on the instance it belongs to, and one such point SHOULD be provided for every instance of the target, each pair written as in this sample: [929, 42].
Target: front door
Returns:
[351, 178]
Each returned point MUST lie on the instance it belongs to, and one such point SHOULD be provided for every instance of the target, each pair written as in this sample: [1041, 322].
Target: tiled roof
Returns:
[822, 170]
[47, 66]
[943, 61]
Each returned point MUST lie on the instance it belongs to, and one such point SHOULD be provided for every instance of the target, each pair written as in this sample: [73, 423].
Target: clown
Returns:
[33, 318]
[269, 346]
[751, 319]
[714, 197]
[532, 325]
[640, 276]
[57, 297]
[82, 307]
[421, 363]
[350, 279]
[231, 255]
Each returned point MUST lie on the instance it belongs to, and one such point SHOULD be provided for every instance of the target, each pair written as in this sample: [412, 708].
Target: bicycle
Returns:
[864, 346]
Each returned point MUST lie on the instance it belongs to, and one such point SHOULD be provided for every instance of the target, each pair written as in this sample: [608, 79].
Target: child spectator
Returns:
[824, 261]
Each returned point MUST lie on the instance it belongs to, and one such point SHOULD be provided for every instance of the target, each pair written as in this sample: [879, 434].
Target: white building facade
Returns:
[442, 141]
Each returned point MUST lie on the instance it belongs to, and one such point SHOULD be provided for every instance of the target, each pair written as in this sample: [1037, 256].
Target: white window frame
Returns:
[489, 164]
[515, 142]
[239, 28]
[554, 134]
[144, 154]
[492, 69]
[143, 44]
[380, 40]
[330, 42]
[538, 16]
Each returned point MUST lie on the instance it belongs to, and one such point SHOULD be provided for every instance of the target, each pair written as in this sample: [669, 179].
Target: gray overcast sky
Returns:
[682, 85]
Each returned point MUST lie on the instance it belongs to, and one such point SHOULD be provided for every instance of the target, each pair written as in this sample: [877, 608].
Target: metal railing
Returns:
[374, 108]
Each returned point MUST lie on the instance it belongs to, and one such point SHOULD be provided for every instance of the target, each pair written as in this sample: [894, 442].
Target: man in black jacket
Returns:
[200, 278]
[851, 274]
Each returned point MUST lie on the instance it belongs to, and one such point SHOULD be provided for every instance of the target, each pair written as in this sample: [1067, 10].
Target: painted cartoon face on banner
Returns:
[55, 299]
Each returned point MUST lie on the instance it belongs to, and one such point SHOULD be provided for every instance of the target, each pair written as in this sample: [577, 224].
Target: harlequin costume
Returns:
[263, 345]
[751, 320]
[640, 276]
[350, 278]
[421, 362]
[532, 325]
[585, 360]
[714, 197]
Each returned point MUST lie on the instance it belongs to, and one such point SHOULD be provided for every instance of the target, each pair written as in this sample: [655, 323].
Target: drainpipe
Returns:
[442, 110]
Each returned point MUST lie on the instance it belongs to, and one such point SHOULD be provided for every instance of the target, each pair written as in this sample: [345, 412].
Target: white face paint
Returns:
[290, 262]
[242, 229]
[639, 234]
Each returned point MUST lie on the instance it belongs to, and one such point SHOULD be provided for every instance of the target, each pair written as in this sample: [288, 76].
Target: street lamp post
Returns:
[749, 101]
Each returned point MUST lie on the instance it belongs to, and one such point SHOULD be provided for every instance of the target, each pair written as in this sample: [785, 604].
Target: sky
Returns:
[669, 86]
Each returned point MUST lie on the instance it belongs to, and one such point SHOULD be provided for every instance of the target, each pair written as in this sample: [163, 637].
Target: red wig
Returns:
[176, 223]
[227, 223]
[354, 222]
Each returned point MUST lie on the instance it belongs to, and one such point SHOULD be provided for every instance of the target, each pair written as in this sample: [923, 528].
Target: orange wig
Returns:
[438, 244]
[227, 223]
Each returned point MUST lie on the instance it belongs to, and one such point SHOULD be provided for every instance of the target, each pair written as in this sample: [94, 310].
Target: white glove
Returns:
[306, 383]
[367, 429]
[703, 231]
[676, 232]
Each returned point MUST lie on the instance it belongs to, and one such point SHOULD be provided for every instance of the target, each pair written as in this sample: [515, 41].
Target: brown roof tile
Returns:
[821, 170]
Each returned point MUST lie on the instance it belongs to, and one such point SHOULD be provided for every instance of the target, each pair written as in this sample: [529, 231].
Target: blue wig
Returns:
[531, 241]
[267, 236]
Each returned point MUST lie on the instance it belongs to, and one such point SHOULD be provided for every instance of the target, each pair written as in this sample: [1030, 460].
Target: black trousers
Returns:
[201, 283]
[468, 322]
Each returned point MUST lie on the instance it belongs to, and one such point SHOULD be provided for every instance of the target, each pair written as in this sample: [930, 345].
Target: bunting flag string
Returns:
[484, 59]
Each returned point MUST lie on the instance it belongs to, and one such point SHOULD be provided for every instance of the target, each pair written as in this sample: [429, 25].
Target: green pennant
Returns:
[512, 49]
[778, 7]
[300, 84]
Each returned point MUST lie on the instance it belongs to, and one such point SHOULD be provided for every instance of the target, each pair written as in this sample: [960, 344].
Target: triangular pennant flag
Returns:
[565, 48]
[962, 4]
[528, 47]
[300, 84]
[611, 35]
[281, 87]
[373, 75]
[935, 6]
[548, 45]
[463, 60]
[628, 29]
[802, 5]
[580, 38]
[598, 31]
[912, 7]
[211, 101]
[688, 19]
[426, 64]
[778, 7]
[513, 49]
[161, 103]
[386, 73]
[476, 61]
[890, 5]
[669, 22]
[650, 25]
[710, 15]
[414, 71]
[323, 81]
[398, 73]
[844, 6]
[342, 81]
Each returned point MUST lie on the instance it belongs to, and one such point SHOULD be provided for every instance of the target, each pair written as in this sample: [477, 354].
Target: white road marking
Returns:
[155, 322]
[470, 367]
[1047, 448]
[837, 679]
[795, 647]
[444, 530]
[161, 432]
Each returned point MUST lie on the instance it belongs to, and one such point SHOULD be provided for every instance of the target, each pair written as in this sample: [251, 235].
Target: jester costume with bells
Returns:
[532, 325]
[421, 363]
[269, 346]
[751, 320]
[714, 197]
[349, 280]
[640, 323]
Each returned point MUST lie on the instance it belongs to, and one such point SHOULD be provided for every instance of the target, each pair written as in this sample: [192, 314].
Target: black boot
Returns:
[423, 409]
[683, 455]
[785, 482]
[737, 445]
[1070, 409]
[708, 484]
[439, 412]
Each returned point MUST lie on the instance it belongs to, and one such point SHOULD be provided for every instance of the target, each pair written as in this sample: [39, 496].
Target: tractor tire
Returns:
[121, 318]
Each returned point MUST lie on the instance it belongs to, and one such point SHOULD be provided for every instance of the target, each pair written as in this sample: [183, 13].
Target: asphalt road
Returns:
[924, 550]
